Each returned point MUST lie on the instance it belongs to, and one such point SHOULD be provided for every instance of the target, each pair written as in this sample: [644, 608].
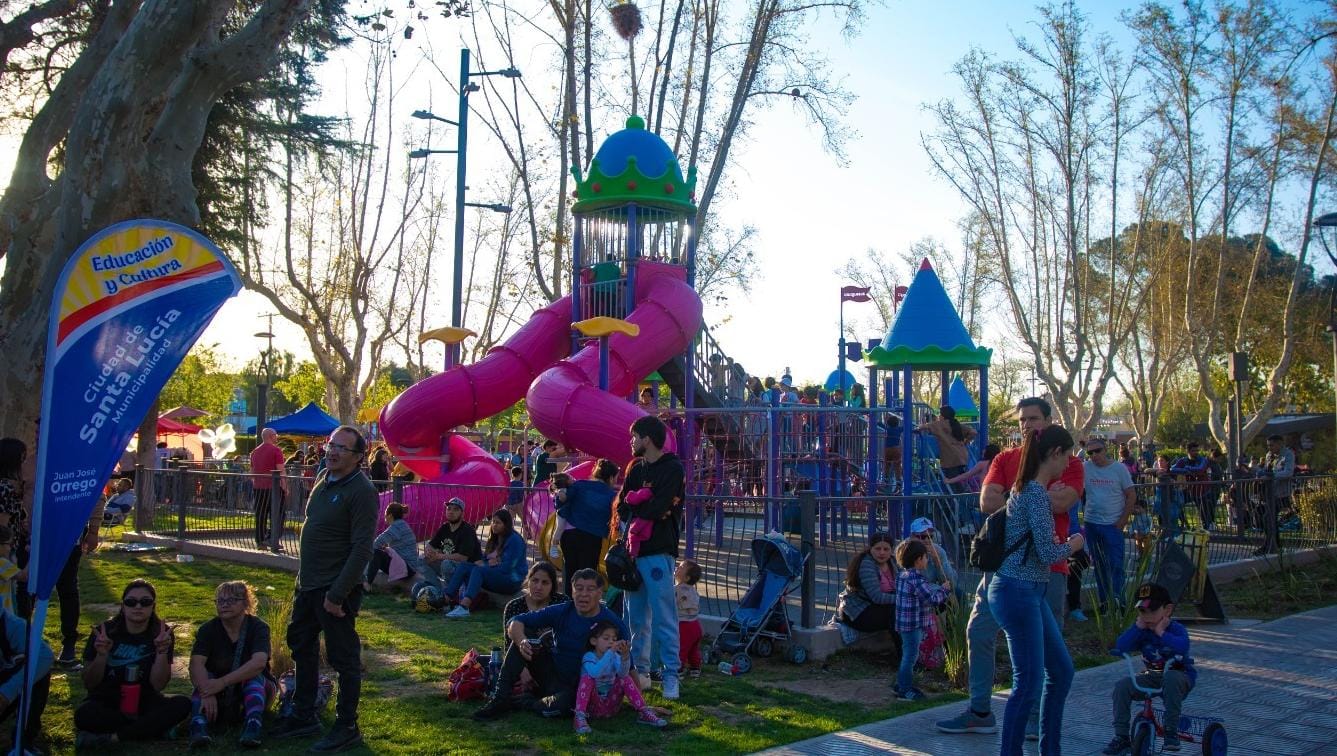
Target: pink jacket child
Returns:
[639, 531]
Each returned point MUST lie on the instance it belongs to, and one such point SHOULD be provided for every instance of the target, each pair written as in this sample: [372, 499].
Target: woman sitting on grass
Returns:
[229, 667]
[397, 536]
[127, 663]
[501, 570]
[540, 593]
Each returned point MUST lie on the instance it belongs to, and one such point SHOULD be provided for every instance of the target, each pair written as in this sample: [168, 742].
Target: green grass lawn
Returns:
[408, 655]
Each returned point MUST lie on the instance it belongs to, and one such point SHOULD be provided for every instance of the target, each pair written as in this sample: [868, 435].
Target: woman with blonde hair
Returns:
[229, 667]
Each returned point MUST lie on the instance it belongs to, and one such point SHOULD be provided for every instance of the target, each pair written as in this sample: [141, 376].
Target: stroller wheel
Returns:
[798, 654]
[742, 663]
[712, 658]
[764, 647]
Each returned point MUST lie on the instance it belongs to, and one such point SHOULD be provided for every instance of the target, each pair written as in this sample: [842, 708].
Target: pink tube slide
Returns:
[565, 402]
[474, 476]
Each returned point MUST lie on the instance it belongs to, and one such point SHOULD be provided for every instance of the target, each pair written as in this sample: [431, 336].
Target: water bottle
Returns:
[728, 669]
[494, 668]
[130, 689]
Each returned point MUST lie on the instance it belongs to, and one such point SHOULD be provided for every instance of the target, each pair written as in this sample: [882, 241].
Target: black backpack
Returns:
[989, 547]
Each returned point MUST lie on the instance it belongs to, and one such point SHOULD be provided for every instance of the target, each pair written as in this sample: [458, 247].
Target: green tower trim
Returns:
[929, 358]
[599, 191]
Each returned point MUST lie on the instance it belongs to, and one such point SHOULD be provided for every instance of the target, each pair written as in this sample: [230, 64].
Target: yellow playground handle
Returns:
[545, 540]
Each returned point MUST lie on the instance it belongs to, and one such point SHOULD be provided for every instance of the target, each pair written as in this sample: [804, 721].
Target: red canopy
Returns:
[169, 427]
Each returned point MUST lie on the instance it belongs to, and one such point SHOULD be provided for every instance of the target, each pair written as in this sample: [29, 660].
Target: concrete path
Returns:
[1274, 684]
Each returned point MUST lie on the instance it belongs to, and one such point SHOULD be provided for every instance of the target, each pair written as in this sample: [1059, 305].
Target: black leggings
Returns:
[873, 618]
[579, 550]
[380, 562]
[264, 500]
[157, 715]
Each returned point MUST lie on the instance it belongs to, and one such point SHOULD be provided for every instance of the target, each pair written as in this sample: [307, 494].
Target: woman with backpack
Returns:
[1041, 666]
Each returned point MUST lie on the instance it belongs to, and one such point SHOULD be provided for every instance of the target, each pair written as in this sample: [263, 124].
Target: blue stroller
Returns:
[762, 617]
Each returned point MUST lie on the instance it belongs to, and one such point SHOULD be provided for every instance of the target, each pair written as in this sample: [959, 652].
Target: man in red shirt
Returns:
[982, 629]
[265, 460]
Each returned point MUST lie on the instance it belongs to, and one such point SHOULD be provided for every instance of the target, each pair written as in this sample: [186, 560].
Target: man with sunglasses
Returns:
[1109, 504]
[334, 550]
[982, 629]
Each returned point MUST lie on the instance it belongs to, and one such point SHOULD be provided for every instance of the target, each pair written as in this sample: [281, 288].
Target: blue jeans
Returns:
[905, 676]
[652, 615]
[982, 641]
[1041, 666]
[474, 579]
[1107, 555]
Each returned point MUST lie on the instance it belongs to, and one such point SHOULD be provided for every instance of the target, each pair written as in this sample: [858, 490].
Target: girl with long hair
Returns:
[587, 508]
[1041, 665]
[868, 603]
[127, 663]
[501, 570]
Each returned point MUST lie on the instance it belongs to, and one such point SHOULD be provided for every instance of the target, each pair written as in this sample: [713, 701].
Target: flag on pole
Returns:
[127, 308]
[856, 294]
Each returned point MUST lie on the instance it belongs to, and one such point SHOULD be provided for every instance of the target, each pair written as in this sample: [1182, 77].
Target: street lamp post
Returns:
[1326, 225]
[461, 185]
[262, 385]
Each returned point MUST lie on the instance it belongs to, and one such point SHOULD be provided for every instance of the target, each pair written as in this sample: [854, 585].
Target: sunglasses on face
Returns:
[133, 602]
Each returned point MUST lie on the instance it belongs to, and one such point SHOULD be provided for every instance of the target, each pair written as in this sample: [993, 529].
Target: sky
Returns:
[812, 213]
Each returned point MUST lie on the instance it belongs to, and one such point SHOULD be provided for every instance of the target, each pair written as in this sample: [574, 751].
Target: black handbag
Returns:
[621, 568]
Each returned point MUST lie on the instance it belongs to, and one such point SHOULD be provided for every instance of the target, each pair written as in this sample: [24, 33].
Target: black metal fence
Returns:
[1234, 519]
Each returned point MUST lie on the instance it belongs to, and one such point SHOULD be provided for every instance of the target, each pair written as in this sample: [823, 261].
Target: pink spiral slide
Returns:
[564, 400]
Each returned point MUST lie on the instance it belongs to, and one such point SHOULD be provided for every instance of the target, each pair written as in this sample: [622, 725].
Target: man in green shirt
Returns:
[335, 548]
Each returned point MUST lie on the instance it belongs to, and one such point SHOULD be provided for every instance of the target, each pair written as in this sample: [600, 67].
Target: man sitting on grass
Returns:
[555, 670]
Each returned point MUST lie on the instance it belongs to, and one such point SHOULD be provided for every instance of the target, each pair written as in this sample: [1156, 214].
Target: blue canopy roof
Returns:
[833, 381]
[307, 421]
[928, 332]
[959, 399]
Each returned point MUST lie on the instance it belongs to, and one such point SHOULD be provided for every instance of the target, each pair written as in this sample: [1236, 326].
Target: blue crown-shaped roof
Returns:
[959, 399]
[928, 332]
[634, 166]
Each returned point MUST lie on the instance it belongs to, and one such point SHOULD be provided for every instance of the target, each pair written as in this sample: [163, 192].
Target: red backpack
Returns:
[469, 680]
[933, 648]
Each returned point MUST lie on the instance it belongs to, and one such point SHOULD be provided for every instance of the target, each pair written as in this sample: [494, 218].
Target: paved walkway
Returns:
[1274, 684]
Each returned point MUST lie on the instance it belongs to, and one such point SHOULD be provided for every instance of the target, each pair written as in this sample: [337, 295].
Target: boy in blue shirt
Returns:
[1163, 643]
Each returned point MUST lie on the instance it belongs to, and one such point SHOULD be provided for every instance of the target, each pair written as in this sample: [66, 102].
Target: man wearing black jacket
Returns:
[652, 612]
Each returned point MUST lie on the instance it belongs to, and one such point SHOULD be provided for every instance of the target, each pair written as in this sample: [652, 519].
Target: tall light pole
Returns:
[461, 184]
[1326, 225]
[262, 385]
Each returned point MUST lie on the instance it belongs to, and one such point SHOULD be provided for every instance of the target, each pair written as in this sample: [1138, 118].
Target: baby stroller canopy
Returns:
[772, 553]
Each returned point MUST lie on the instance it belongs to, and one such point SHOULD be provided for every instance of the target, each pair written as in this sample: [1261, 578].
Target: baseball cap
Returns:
[920, 525]
[1152, 596]
[456, 502]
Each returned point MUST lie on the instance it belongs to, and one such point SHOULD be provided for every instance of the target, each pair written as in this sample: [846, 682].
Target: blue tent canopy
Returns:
[307, 421]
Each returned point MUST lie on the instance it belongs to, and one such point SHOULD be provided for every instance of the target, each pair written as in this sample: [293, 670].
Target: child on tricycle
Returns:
[1164, 646]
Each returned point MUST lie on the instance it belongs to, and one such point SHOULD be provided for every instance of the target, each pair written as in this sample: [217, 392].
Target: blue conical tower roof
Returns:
[959, 399]
[928, 332]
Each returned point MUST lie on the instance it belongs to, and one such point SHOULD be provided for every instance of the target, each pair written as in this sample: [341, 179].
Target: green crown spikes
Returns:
[634, 166]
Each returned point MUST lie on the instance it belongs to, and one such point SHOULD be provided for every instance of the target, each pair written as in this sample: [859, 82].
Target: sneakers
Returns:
[656, 675]
[1117, 747]
[199, 733]
[250, 733]
[1171, 743]
[497, 707]
[457, 612]
[648, 717]
[670, 687]
[1033, 729]
[341, 737]
[969, 722]
[69, 659]
[581, 724]
[293, 727]
[913, 694]
[84, 739]
[1077, 615]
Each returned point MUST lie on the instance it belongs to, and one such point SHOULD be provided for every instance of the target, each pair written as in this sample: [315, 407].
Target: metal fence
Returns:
[1237, 519]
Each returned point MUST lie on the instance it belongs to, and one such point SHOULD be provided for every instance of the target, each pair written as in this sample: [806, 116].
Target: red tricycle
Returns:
[1146, 730]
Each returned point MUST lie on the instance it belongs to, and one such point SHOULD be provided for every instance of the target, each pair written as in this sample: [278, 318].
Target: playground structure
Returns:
[632, 315]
